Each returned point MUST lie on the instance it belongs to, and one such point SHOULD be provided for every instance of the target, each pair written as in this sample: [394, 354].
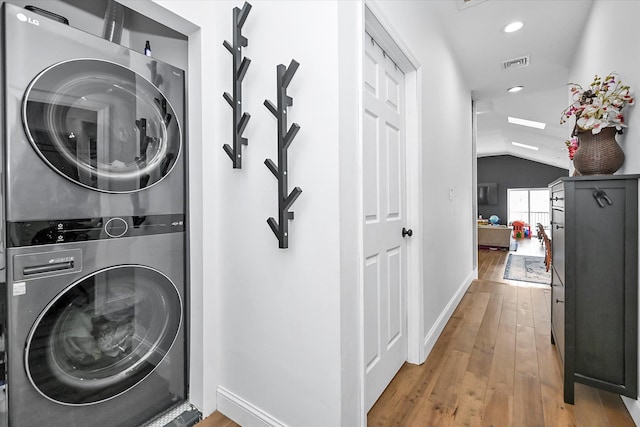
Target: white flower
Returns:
[600, 105]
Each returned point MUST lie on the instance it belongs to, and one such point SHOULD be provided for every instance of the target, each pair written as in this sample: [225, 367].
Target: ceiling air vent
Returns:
[463, 4]
[509, 64]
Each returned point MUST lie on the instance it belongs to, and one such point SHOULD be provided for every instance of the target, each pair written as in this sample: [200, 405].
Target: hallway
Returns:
[494, 365]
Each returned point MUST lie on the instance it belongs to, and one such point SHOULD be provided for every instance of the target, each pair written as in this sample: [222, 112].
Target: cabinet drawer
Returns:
[558, 243]
[557, 314]
[557, 198]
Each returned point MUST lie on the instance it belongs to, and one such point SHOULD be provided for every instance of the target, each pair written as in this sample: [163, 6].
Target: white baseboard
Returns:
[633, 406]
[437, 328]
[242, 412]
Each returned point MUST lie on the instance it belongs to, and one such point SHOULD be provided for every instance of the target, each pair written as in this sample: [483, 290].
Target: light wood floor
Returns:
[217, 420]
[493, 365]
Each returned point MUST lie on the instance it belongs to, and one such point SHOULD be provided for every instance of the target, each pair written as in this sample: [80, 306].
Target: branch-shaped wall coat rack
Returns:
[285, 137]
[240, 66]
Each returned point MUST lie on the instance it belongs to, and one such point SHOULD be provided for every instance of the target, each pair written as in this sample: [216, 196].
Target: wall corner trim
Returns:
[437, 328]
[243, 412]
[633, 406]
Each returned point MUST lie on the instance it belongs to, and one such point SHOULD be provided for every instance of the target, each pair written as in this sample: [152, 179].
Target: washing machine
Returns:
[92, 269]
[96, 335]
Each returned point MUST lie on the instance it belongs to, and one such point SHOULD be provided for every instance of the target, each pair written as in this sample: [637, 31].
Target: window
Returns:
[530, 205]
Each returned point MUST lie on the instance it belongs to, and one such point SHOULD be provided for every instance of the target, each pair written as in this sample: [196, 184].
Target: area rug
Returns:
[527, 269]
[513, 246]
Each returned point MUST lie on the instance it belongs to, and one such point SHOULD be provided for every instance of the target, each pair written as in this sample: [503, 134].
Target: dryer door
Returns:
[103, 335]
[101, 125]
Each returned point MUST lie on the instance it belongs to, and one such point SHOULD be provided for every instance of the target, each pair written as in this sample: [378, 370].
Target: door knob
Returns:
[406, 232]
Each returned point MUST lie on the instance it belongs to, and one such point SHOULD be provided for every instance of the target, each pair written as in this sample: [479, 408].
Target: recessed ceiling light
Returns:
[512, 27]
[529, 147]
[515, 89]
[529, 123]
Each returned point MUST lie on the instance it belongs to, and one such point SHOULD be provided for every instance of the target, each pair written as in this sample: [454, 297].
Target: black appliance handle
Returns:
[47, 268]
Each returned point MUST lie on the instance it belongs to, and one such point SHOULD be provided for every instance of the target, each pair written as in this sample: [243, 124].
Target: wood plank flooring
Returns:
[217, 420]
[493, 365]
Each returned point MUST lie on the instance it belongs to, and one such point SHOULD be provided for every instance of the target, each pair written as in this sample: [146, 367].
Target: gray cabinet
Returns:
[594, 294]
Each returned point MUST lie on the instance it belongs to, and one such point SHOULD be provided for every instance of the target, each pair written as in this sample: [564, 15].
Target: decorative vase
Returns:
[598, 154]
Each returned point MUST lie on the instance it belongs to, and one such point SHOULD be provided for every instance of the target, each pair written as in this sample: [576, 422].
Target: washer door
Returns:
[103, 335]
[101, 125]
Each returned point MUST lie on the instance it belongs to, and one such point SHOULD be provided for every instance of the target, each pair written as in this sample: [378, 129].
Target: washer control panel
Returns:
[116, 227]
[34, 233]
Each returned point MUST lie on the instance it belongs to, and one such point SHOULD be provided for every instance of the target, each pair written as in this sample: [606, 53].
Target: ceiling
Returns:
[550, 35]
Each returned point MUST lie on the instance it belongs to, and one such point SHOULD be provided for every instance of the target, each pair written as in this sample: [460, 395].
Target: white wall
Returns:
[276, 312]
[619, 52]
[281, 327]
[447, 157]
[350, 51]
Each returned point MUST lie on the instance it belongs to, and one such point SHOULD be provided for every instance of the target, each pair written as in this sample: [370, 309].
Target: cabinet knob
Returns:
[559, 226]
[559, 301]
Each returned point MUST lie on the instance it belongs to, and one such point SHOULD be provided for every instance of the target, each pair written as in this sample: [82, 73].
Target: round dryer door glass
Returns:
[101, 125]
[103, 335]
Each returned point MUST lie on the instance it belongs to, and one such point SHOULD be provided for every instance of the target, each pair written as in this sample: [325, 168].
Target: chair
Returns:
[540, 233]
[542, 236]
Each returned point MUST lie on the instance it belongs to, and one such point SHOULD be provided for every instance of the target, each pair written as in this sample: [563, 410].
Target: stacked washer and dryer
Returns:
[93, 250]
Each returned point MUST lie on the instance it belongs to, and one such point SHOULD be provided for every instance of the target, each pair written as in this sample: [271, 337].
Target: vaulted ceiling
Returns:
[548, 40]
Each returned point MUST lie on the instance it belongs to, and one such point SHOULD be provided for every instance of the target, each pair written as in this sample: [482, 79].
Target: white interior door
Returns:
[385, 260]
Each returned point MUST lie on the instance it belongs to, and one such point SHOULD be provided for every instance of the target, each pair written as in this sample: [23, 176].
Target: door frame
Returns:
[385, 35]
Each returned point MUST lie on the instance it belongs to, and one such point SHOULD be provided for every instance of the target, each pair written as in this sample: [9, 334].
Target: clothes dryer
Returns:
[93, 129]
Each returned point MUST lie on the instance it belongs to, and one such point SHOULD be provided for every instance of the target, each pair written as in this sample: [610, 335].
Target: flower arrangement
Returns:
[599, 106]
[572, 145]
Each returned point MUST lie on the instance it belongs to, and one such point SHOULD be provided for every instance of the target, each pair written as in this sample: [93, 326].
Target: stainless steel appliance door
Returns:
[101, 125]
[103, 335]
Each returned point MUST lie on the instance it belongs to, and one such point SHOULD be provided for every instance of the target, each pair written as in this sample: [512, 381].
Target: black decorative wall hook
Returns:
[601, 197]
[285, 137]
[240, 66]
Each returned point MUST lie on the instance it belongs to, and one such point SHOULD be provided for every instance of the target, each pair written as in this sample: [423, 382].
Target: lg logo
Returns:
[24, 18]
